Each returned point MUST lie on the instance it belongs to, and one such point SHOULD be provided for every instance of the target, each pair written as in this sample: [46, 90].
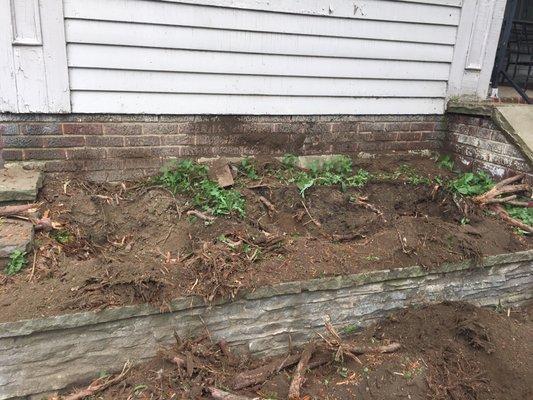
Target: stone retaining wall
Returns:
[115, 147]
[48, 354]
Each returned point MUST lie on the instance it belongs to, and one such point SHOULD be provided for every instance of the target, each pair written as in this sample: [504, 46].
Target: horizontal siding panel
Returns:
[161, 36]
[165, 13]
[138, 58]
[171, 82]
[430, 11]
[163, 103]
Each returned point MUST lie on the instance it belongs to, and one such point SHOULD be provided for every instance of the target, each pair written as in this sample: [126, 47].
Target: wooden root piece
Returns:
[219, 394]
[99, 385]
[201, 215]
[261, 374]
[6, 211]
[314, 221]
[298, 377]
[504, 187]
[506, 217]
[342, 347]
[362, 203]
[270, 207]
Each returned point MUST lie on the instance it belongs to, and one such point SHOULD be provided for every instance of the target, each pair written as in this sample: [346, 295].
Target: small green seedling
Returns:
[372, 258]
[62, 236]
[472, 183]
[349, 329]
[247, 167]
[17, 261]
[445, 162]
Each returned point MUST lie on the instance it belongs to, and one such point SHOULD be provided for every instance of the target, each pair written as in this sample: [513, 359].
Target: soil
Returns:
[133, 242]
[449, 351]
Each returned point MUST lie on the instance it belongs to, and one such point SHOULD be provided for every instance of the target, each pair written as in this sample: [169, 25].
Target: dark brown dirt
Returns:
[450, 351]
[132, 243]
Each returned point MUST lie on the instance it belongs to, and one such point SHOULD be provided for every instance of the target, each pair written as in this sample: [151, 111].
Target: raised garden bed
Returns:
[268, 258]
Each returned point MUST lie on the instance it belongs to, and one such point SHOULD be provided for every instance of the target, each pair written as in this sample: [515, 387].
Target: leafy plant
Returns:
[17, 261]
[62, 236]
[190, 178]
[412, 176]
[289, 161]
[524, 214]
[337, 171]
[247, 167]
[472, 183]
[445, 162]
[218, 201]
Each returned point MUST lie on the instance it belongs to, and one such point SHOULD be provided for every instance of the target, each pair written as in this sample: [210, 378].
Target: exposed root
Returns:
[503, 187]
[514, 222]
[298, 377]
[314, 221]
[99, 385]
[270, 207]
[201, 215]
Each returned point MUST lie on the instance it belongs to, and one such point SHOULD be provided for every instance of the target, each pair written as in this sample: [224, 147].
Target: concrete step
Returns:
[18, 184]
[517, 122]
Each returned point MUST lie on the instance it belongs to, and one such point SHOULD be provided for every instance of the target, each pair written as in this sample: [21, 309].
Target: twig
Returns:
[219, 394]
[267, 204]
[96, 387]
[314, 221]
[506, 217]
[201, 215]
[298, 377]
[33, 266]
[502, 187]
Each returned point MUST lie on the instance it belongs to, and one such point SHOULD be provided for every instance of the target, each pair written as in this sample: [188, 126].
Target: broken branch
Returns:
[506, 217]
[201, 215]
[96, 387]
[6, 211]
[298, 377]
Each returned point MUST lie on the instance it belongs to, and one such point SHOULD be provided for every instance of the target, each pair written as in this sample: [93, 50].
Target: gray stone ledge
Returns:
[50, 354]
[65, 321]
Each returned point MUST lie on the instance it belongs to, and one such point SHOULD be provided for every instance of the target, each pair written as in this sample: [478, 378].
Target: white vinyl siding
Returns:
[260, 57]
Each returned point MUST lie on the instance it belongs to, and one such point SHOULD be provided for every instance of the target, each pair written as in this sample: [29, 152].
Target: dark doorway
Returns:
[514, 59]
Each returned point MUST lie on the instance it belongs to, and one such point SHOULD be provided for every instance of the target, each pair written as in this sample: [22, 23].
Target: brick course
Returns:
[477, 143]
[120, 147]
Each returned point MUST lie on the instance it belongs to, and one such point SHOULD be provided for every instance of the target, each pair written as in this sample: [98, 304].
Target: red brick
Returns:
[161, 129]
[85, 154]
[41, 129]
[174, 140]
[82, 129]
[12, 155]
[122, 129]
[423, 126]
[64, 141]
[44, 154]
[142, 141]
[132, 152]
[8, 129]
[104, 141]
[19, 141]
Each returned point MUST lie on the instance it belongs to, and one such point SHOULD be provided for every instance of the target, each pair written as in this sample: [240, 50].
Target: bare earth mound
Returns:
[136, 242]
[450, 351]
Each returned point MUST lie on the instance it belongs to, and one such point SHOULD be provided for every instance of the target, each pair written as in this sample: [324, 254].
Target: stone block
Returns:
[19, 184]
[14, 235]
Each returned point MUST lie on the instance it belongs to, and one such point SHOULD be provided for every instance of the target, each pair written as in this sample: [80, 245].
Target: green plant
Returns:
[471, 183]
[464, 221]
[289, 161]
[372, 258]
[445, 162]
[524, 214]
[248, 168]
[218, 201]
[337, 171]
[17, 261]
[349, 329]
[190, 178]
[411, 175]
[62, 236]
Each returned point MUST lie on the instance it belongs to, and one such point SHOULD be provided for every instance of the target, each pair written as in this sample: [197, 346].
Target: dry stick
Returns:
[506, 217]
[501, 199]
[261, 374]
[96, 387]
[389, 348]
[298, 377]
[17, 209]
[201, 215]
[267, 204]
[218, 394]
[33, 266]
[312, 219]
[502, 187]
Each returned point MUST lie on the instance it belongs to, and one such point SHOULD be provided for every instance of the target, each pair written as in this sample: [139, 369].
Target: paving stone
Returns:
[14, 235]
[19, 184]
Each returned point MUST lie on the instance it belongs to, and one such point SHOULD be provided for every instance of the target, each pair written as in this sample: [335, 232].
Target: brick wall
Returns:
[113, 147]
[477, 143]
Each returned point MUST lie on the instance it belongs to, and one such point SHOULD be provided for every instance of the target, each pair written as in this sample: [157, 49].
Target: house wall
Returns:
[244, 56]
